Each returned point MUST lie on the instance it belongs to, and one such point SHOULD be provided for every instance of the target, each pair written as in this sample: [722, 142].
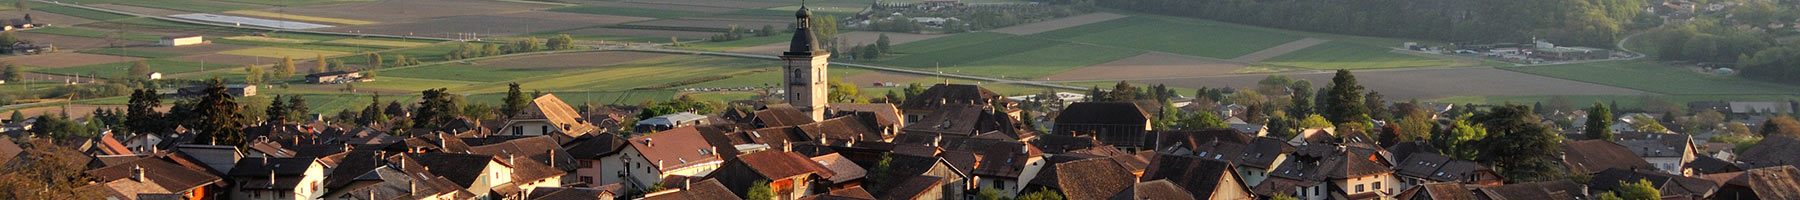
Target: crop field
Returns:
[60, 60]
[90, 33]
[133, 53]
[1427, 83]
[77, 12]
[1057, 24]
[624, 97]
[270, 39]
[462, 72]
[938, 54]
[398, 11]
[1343, 55]
[385, 43]
[1045, 61]
[640, 74]
[182, 5]
[278, 52]
[118, 69]
[1187, 38]
[1148, 65]
[256, 13]
[54, 19]
[234, 60]
[1654, 77]
[623, 11]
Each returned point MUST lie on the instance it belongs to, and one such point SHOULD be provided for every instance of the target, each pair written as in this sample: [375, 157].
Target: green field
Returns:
[118, 69]
[181, 5]
[741, 43]
[132, 53]
[1344, 55]
[769, 78]
[77, 12]
[93, 33]
[462, 72]
[1046, 61]
[942, 53]
[1190, 37]
[635, 12]
[639, 74]
[1650, 76]
[625, 97]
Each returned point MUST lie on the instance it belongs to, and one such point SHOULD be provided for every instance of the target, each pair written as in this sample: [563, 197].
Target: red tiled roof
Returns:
[675, 148]
[782, 164]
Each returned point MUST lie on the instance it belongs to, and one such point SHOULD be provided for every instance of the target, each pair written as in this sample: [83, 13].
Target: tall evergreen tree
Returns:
[297, 107]
[436, 108]
[372, 114]
[1599, 122]
[140, 112]
[1517, 146]
[515, 100]
[1301, 102]
[219, 122]
[277, 111]
[1344, 103]
[1377, 106]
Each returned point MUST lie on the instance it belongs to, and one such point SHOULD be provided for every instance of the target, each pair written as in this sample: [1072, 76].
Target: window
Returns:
[518, 130]
[587, 179]
[1359, 188]
[544, 130]
[1377, 185]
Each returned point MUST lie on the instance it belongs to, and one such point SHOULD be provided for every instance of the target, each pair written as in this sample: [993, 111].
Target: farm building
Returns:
[27, 48]
[20, 23]
[334, 77]
[181, 40]
[154, 76]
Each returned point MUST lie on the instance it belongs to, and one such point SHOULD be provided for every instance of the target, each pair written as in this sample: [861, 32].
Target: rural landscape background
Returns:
[633, 52]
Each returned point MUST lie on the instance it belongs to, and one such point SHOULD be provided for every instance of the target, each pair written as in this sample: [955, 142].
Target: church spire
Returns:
[804, 43]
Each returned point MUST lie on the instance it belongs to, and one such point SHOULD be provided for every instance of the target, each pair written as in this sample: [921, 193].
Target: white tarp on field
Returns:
[246, 21]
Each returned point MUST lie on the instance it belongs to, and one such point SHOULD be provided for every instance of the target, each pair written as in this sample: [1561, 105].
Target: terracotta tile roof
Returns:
[778, 115]
[1047, 177]
[462, 169]
[548, 107]
[1160, 190]
[1779, 182]
[841, 129]
[679, 147]
[1263, 152]
[111, 146]
[944, 94]
[779, 164]
[850, 193]
[885, 114]
[9, 150]
[913, 187]
[596, 146]
[1591, 156]
[1551, 190]
[166, 176]
[1281, 185]
[1772, 151]
[703, 190]
[1102, 113]
[842, 169]
[1093, 179]
[1198, 176]
[1669, 184]
[350, 165]
[1705, 164]
[1054, 143]
[542, 150]
[1438, 191]
[553, 193]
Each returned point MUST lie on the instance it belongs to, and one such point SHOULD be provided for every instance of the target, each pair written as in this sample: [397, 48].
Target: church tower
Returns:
[804, 68]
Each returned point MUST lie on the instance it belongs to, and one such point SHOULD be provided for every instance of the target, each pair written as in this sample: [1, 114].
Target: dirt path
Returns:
[1279, 50]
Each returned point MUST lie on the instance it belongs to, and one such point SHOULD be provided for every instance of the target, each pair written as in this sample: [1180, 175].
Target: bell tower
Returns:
[803, 68]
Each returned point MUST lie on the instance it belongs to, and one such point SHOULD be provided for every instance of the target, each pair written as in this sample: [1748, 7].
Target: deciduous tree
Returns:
[138, 70]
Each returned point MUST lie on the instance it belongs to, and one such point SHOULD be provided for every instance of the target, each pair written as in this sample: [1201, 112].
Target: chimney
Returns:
[348, 147]
[823, 140]
[511, 159]
[412, 188]
[552, 158]
[137, 174]
[715, 153]
[787, 146]
[271, 178]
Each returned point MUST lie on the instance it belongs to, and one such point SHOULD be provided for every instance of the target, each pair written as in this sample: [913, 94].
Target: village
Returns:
[949, 141]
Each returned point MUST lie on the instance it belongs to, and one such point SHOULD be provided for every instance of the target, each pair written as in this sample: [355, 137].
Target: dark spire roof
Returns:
[802, 44]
